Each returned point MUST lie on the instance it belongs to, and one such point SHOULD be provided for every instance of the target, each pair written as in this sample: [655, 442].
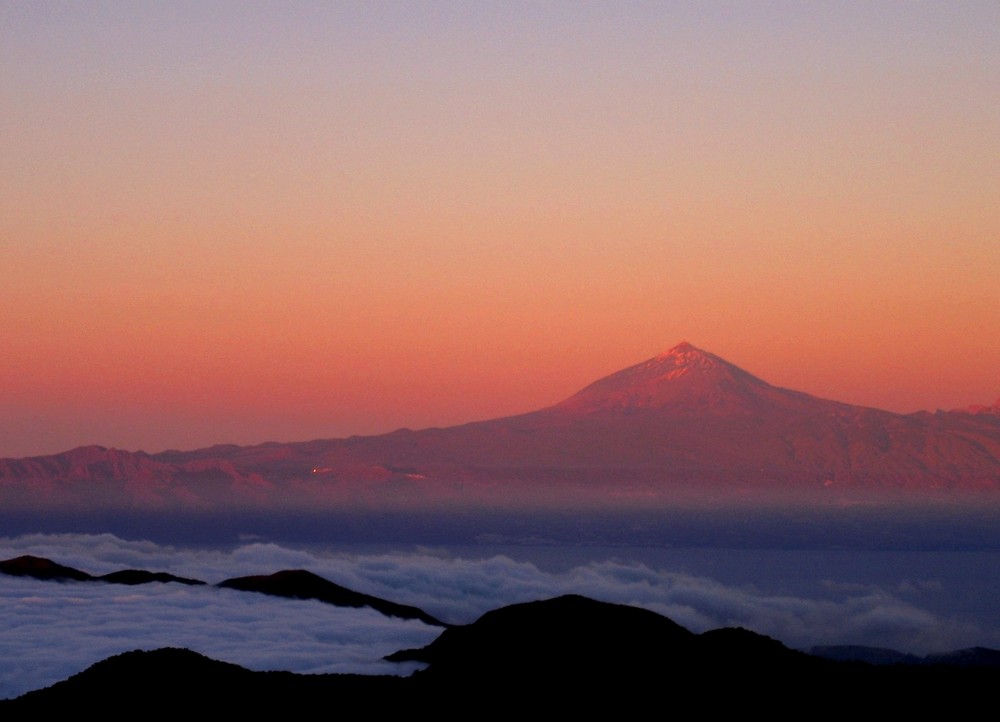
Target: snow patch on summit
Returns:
[685, 379]
[685, 356]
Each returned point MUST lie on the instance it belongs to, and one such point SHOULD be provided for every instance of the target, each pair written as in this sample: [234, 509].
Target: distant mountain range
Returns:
[683, 425]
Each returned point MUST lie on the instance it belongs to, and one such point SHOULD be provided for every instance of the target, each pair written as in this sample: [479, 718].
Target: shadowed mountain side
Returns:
[300, 584]
[683, 425]
[569, 654]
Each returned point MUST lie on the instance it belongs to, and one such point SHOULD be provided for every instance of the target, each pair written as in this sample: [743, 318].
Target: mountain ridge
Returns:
[685, 422]
[288, 583]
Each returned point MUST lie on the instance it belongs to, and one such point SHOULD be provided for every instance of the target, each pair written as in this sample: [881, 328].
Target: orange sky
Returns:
[234, 223]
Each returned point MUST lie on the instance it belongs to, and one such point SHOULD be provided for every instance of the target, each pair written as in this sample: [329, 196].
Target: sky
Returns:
[250, 221]
[52, 630]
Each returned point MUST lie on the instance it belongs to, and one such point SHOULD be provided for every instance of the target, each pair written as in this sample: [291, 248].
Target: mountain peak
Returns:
[685, 355]
[682, 347]
[685, 379]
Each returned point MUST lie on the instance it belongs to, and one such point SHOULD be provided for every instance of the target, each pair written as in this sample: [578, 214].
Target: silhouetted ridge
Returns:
[179, 681]
[863, 653]
[141, 576]
[300, 584]
[41, 568]
[576, 633]
[573, 639]
[294, 584]
[569, 654]
[973, 657]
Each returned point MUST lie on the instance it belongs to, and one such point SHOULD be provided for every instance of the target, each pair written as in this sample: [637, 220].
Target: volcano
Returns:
[685, 422]
[685, 381]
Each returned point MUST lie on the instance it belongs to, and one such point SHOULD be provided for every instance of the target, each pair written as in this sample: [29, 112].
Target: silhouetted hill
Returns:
[141, 576]
[577, 635]
[41, 568]
[569, 655]
[572, 645]
[293, 584]
[180, 682]
[300, 584]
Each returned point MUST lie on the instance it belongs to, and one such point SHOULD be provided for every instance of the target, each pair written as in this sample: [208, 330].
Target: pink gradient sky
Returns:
[237, 222]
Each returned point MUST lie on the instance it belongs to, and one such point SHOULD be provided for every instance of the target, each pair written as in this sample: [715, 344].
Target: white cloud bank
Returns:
[51, 630]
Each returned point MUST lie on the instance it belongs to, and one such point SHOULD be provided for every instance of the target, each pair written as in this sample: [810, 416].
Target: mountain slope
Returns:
[686, 380]
[685, 422]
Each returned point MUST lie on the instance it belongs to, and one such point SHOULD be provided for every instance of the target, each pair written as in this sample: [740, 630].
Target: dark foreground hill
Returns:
[569, 655]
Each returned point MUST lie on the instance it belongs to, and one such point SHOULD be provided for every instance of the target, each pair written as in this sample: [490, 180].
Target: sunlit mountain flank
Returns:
[683, 424]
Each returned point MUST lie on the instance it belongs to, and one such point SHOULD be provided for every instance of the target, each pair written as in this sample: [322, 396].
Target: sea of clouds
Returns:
[51, 630]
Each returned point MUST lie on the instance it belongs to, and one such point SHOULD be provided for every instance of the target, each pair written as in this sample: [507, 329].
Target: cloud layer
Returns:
[52, 630]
